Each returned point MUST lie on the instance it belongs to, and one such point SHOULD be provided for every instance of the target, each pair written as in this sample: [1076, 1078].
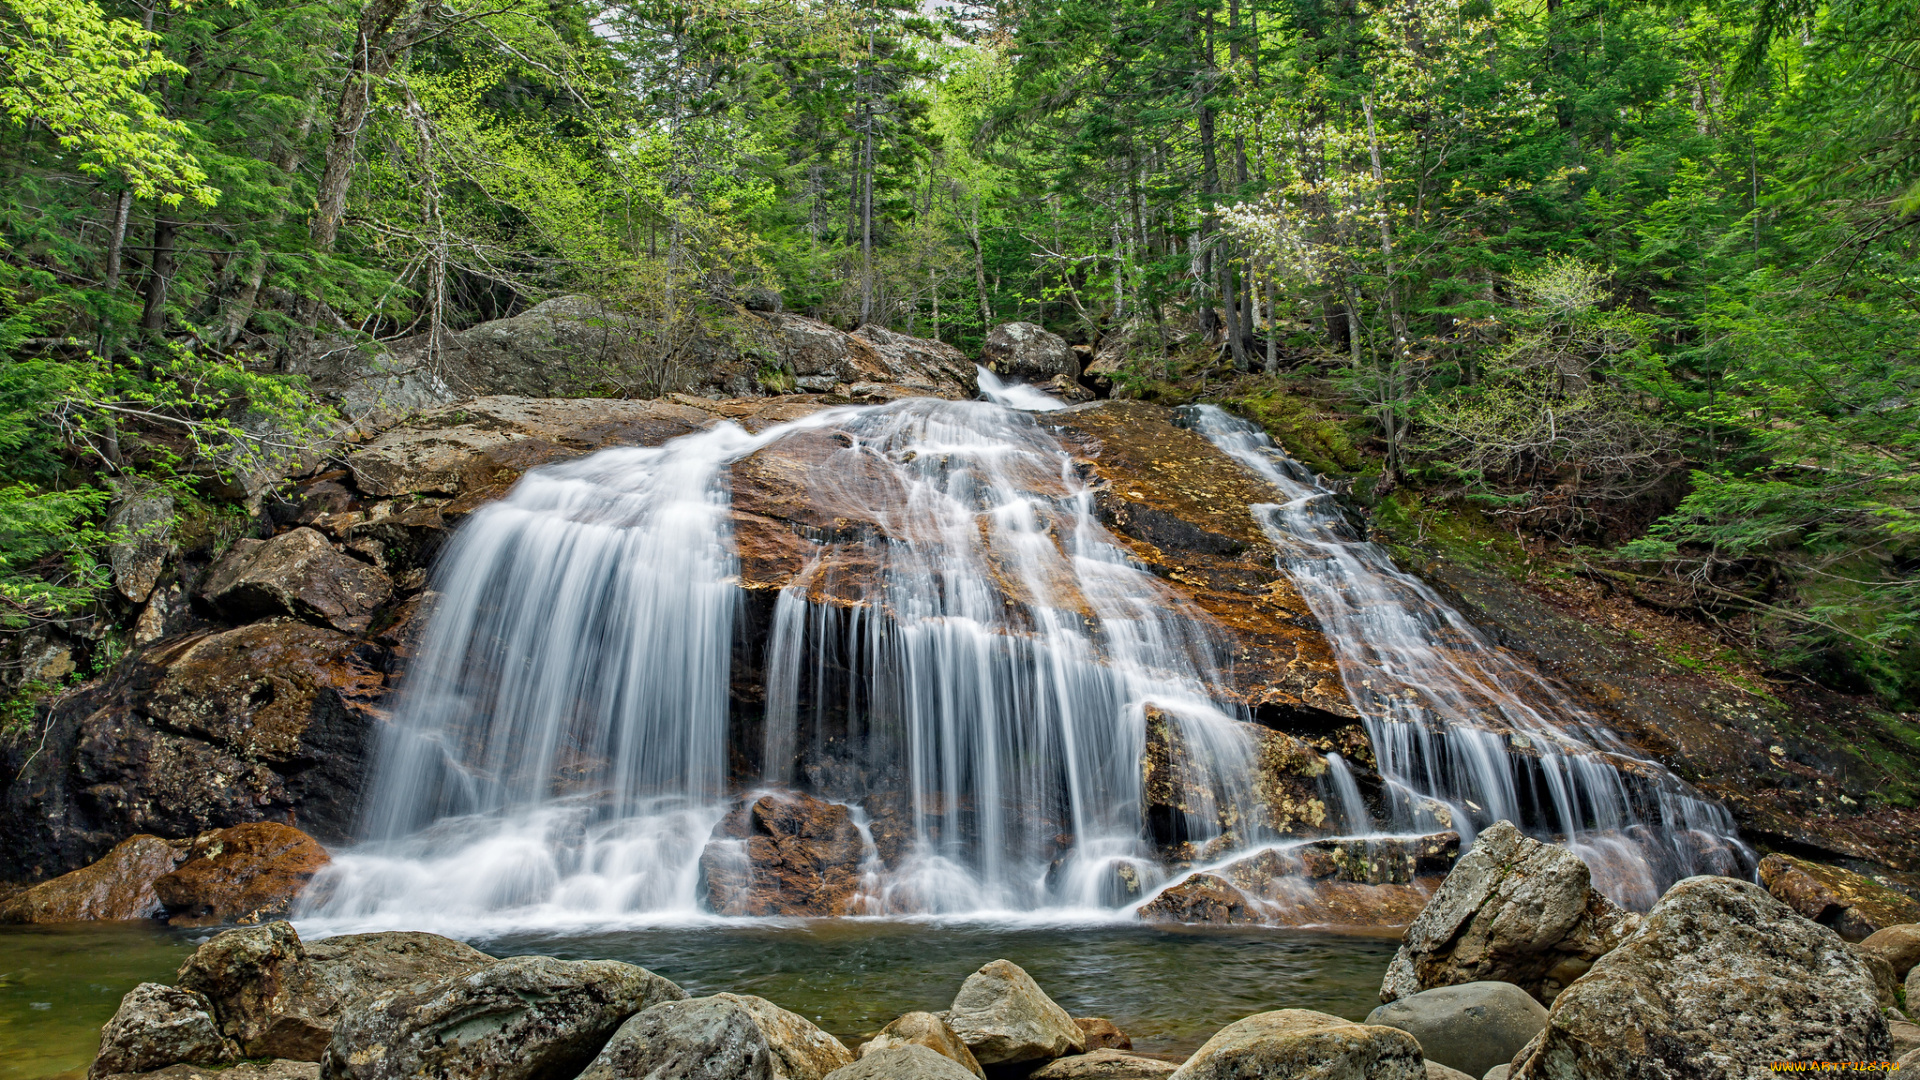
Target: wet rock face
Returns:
[928, 1030]
[157, 1026]
[1853, 905]
[1721, 979]
[1511, 910]
[119, 886]
[297, 573]
[1354, 883]
[527, 1018]
[275, 996]
[723, 1037]
[243, 874]
[1030, 352]
[1470, 1027]
[1182, 801]
[1004, 1017]
[786, 854]
[1305, 1044]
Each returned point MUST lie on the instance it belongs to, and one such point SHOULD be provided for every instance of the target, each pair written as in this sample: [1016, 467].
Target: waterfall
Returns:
[1456, 721]
[977, 648]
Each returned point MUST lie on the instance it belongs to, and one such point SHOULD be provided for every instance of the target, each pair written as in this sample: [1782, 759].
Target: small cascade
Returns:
[1015, 395]
[1463, 733]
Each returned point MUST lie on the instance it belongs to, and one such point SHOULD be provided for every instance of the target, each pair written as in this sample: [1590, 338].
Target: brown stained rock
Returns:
[925, 1029]
[478, 448]
[119, 886]
[1100, 1033]
[1511, 910]
[1345, 883]
[1030, 352]
[1104, 1064]
[1180, 505]
[1721, 979]
[1854, 905]
[1899, 945]
[297, 573]
[243, 874]
[157, 1026]
[275, 996]
[783, 854]
[1302, 1043]
[1203, 898]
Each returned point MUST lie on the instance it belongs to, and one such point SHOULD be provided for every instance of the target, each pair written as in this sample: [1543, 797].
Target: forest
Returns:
[1636, 282]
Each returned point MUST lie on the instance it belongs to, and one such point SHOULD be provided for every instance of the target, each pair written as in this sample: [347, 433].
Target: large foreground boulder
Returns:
[1004, 1017]
[528, 1018]
[1855, 906]
[243, 874]
[157, 1026]
[910, 1062]
[928, 1030]
[297, 573]
[1304, 1045]
[1470, 1027]
[1512, 910]
[1721, 979]
[119, 886]
[276, 996]
[784, 854]
[723, 1037]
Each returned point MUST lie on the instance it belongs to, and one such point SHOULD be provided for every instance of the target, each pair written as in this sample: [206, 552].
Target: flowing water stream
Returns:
[964, 637]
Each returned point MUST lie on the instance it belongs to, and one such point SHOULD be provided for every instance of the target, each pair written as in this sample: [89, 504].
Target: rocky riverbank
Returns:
[1515, 969]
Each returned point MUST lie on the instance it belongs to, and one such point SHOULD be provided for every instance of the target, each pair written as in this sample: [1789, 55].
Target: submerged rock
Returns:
[243, 874]
[1104, 1064]
[1721, 979]
[1855, 906]
[1100, 1033]
[1469, 1026]
[723, 1037]
[1300, 1043]
[1027, 350]
[1512, 910]
[528, 1018]
[784, 854]
[276, 996]
[1004, 1017]
[157, 1026]
[924, 1029]
[297, 573]
[910, 1062]
[119, 886]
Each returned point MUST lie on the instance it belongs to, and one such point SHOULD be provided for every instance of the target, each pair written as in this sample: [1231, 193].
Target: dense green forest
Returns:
[1639, 281]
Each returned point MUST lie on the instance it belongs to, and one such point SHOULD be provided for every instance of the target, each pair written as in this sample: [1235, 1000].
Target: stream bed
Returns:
[1169, 988]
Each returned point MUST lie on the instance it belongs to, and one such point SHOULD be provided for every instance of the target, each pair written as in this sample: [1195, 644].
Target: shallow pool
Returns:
[59, 984]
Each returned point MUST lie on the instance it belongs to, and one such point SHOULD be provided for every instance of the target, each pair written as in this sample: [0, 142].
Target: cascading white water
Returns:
[1458, 721]
[560, 749]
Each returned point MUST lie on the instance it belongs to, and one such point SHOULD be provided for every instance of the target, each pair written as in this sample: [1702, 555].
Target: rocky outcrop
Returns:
[1004, 1017]
[119, 886]
[1306, 1044]
[784, 854]
[1351, 883]
[297, 573]
[1104, 1064]
[1853, 905]
[1720, 979]
[723, 1037]
[527, 1018]
[901, 1063]
[1470, 1026]
[157, 1026]
[1898, 945]
[243, 874]
[928, 1030]
[1511, 910]
[1030, 352]
[276, 996]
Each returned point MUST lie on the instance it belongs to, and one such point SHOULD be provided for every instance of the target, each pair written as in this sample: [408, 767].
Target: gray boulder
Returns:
[139, 523]
[928, 1030]
[1304, 1045]
[1511, 910]
[1003, 1016]
[1898, 945]
[911, 1062]
[1885, 985]
[157, 1026]
[527, 1018]
[1028, 351]
[1720, 980]
[296, 573]
[1905, 1036]
[723, 1037]
[277, 997]
[1470, 1026]
[1104, 1064]
[1437, 1071]
[1498, 1072]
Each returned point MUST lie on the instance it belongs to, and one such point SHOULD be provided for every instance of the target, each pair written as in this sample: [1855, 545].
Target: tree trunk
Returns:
[117, 240]
[153, 317]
